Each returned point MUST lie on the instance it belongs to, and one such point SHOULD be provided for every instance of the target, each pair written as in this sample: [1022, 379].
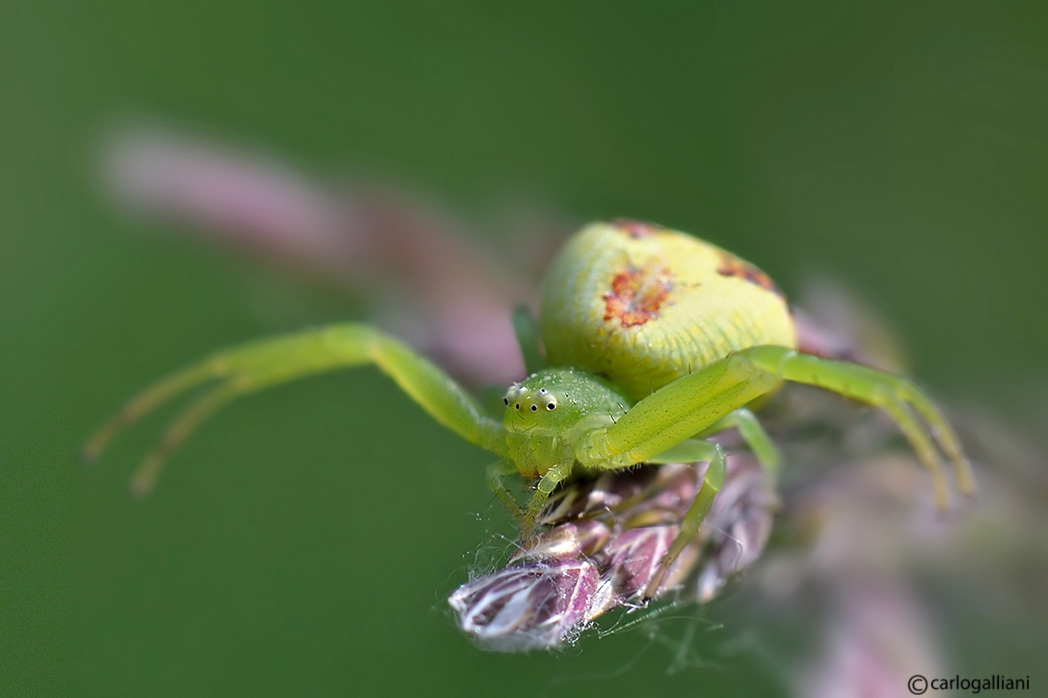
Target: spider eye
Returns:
[551, 406]
[518, 406]
[505, 401]
[534, 408]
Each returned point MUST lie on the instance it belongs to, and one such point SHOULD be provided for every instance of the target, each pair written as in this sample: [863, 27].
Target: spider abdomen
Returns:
[645, 306]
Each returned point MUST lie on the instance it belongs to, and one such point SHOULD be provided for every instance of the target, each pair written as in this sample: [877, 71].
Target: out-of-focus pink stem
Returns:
[240, 197]
[876, 640]
[454, 297]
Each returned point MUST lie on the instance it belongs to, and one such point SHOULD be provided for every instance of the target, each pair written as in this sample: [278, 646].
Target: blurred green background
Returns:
[304, 543]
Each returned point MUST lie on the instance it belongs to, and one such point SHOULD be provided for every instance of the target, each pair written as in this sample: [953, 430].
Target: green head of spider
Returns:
[555, 400]
[545, 418]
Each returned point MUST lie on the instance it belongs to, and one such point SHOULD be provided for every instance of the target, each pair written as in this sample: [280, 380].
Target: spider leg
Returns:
[753, 434]
[546, 484]
[148, 472]
[712, 483]
[751, 431]
[495, 474]
[696, 450]
[699, 400]
[676, 412]
[897, 396]
[146, 401]
[270, 362]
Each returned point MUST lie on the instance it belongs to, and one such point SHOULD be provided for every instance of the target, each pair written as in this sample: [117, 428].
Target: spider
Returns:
[653, 341]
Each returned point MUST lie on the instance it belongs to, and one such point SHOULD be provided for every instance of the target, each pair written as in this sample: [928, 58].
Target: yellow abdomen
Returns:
[644, 305]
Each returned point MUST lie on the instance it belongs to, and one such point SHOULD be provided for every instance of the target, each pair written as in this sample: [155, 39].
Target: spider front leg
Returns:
[696, 402]
[270, 362]
[897, 396]
[495, 474]
[543, 489]
[545, 486]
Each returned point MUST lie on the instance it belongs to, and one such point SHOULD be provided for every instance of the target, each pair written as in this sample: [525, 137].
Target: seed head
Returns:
[602, 544]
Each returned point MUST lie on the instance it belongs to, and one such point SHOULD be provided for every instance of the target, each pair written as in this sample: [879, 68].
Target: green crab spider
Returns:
[653, 340]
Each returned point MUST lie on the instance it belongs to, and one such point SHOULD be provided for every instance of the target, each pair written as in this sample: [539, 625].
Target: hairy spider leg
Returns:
[270, 362]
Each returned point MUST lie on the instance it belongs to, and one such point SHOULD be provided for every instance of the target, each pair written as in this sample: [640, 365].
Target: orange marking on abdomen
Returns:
[733, 266]
[635, 229]
[636, 295]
